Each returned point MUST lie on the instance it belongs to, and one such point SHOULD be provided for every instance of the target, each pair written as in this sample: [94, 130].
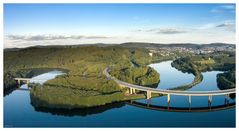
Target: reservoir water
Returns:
[171, 77]
[18, 111]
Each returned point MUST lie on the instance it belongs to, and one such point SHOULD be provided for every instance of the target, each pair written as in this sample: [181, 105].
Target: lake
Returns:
[18, 111]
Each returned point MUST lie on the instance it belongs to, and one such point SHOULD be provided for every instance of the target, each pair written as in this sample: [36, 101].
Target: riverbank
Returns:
[202, 63]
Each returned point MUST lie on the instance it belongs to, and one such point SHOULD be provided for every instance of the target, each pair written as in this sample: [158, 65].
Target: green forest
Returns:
[84, 84]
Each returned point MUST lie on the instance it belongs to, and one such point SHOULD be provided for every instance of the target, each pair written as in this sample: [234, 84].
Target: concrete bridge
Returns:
[149, 91]
[27, 80]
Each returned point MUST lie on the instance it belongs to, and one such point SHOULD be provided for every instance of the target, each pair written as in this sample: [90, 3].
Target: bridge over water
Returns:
[149, 91]
[27, 80]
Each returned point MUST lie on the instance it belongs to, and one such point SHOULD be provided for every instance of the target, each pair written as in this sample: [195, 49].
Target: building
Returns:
[151, 54]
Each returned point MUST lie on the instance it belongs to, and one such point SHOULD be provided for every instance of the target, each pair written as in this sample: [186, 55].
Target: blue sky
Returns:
[36, 24]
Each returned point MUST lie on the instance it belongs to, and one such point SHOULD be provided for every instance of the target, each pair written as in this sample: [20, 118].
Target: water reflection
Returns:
[156, 113]
[181, 109]
[9, 91]
[171, 77]
[100, 109]
[81, 111]
[41, 79]
[209, 82]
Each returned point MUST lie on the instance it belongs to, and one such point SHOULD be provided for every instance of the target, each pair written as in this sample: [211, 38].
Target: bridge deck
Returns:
[168, 92]
[27, 79]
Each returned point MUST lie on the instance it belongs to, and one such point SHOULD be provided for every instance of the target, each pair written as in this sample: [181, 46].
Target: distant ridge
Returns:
[186, 45]
[133, 45]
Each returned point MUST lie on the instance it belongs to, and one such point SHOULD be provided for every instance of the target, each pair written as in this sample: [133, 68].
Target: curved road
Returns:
[169, 92]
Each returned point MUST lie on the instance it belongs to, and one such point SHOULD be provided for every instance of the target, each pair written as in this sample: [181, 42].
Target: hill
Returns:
[84, 85]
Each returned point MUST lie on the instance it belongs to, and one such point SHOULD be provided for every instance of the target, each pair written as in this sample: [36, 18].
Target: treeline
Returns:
[226, 80]
[220, 61]
[135, 69]
[84, 82]
[145, 76]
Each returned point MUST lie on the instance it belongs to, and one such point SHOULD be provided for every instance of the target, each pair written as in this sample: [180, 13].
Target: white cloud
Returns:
[166, 31]
[223, 8]
[52, 37]
[228, 6]
[17, 41]
[206, 26]
[223, 31]
[227, 25]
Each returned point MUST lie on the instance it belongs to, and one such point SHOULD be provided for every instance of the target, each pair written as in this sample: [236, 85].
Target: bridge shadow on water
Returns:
[181, 109]
[100, 109]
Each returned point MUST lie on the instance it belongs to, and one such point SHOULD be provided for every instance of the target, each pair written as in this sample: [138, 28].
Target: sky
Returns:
[67, 24]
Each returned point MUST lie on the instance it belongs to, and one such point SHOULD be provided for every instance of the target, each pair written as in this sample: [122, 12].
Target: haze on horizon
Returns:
[68, 24]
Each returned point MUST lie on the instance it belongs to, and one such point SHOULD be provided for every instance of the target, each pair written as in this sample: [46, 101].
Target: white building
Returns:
[151, 54]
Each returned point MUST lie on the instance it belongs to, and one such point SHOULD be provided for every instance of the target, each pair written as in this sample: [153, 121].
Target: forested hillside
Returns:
[84, 84]
[220, 61]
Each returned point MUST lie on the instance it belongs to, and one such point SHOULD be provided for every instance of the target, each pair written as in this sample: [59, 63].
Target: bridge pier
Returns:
[210, 99]
[189, 99]
[19, 82]
[148, 95]
[226, 102]
[227, 96]
[226, 99]
[148, 102]
[130, 91]
[209, 105]
[168, 105]
[27, 82]
[168, 100]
